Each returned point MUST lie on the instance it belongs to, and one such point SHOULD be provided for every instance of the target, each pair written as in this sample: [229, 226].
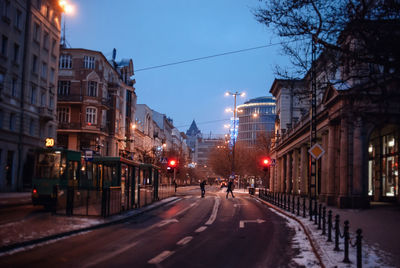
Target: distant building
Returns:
[29, 48]
[192, 134]
[256, 116]
[95, 104]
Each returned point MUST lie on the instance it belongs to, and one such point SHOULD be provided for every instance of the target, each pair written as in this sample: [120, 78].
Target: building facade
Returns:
[30, 37]
[256, 117]
[95, 104]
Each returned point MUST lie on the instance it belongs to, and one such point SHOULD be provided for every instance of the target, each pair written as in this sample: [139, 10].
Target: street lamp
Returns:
[234, 94]
[67, 9]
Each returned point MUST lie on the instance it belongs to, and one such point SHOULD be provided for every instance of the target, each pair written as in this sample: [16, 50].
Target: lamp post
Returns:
[234, 94]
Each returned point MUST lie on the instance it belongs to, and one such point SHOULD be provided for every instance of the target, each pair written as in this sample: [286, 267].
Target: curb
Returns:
[298, 221]
[10, 247]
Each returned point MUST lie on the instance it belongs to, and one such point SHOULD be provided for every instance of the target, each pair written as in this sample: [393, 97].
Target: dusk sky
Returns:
[157, 32]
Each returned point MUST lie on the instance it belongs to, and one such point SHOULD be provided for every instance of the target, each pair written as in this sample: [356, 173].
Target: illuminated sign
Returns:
[49, 142]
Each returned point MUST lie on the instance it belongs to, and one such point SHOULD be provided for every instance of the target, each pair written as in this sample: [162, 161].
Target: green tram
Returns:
[54, 168]
[100, 186]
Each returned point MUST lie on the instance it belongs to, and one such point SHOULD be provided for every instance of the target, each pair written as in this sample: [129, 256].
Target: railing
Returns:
[317, 214]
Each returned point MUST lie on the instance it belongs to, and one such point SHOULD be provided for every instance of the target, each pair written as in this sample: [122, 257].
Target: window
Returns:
[1, 81]
[33, 94]
[91, 113]
[88, 62]
[50, 131]
[43, 99]
[18, 19]
[1, 120]
[4, 45]
[46, 11]
[14, 87]
[92, 89]
[36, 32]
[6, 10]
[34, 64]
[52, 73]
[44, 70]
[63, 114]
[51, 101]
[46, 40]
[53, 46]
[16, 52]
[64, 88]
[65, 62]
[11, 124]
[31, 127]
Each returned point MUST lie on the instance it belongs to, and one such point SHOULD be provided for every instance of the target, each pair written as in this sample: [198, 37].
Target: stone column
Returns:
[283, 173]
[324, 168]
[295, 171]
[359, 194]
[304, 170]
[288, 173]
[343, 200]
[330, 184]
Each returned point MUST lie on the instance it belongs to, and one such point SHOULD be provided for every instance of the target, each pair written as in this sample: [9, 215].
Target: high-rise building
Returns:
[29, 48]
[256, 116]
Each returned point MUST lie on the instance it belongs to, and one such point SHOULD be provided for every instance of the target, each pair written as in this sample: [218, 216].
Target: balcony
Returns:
[66, 125]
[70, 98]
[46, 114]
[106, 102]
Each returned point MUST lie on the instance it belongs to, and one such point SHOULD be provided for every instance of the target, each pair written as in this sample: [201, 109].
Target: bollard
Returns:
[288, 202]
[358, 244]
[337, 233]
[315, 212]
[310, 212]
[304, 207]
[346, 242]
[329, 226]
[323, 221]
[298, 206]
[284, 200]
[319, 216]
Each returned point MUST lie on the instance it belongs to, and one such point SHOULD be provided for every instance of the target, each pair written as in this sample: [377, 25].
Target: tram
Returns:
[54, 167]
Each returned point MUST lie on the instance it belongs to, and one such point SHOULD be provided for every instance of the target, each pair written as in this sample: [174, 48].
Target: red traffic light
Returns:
[266, 162]
[172, 163]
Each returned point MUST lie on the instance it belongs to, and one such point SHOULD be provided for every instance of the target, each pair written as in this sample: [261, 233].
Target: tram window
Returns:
[48, 166]
[72, 170]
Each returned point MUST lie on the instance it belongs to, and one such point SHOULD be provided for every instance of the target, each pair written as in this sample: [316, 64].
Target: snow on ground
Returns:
[371, 255]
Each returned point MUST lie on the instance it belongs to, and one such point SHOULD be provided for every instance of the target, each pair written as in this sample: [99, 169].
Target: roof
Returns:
[193, 130]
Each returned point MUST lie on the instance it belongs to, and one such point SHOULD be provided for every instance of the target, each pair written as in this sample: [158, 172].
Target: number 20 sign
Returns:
[49, 142]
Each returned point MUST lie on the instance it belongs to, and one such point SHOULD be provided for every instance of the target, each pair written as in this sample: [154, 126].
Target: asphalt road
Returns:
[190, 232]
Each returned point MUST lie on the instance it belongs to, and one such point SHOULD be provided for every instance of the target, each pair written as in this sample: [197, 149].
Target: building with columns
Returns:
[358, 127]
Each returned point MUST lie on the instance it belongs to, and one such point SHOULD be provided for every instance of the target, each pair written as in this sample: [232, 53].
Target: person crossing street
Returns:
[230, 188]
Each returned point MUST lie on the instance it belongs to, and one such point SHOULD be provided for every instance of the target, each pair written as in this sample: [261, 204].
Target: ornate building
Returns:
[29, 48]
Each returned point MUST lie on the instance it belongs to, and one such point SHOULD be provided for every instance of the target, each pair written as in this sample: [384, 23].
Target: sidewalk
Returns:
[15, 199]
[380, 231]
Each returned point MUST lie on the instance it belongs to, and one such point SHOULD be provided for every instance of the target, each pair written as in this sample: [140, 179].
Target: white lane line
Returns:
[110, 255]
[160, 257]
[184, 210]
[165, 222]
[201, 229]
[184, 240]
[214, 212]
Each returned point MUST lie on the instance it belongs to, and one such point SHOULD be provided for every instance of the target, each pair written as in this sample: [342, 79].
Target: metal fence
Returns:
[316, 212]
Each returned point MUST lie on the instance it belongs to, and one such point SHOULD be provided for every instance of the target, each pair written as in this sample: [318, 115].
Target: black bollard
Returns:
[319, 216]
[337, 233]
[346, 242]
[329, 226]
[323, 221]
[288, 202]
[284, 200]
[298, 206]
[310, 211]
[304, 207]
[293, 198]
[315, 212]
[358, 244]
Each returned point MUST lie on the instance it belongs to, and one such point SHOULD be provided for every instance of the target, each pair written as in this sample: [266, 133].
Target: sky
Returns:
[157, 32]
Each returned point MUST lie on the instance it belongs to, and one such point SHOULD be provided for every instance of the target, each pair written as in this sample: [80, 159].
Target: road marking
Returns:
[110, 255]
[189, 207]
[184, 241]
[201, 229]
[165, 222]
[214, 212]
[241, 223]
[160, 257]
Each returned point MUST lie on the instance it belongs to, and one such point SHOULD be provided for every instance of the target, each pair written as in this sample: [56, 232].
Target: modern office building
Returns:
[256, 117]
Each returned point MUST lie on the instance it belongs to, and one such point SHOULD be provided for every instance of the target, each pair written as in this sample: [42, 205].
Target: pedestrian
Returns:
[230, 188]
[203, 188]
[176, 185]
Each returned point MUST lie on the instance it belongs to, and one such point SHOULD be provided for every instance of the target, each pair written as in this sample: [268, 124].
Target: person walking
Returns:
[203, 188]
[230, 188]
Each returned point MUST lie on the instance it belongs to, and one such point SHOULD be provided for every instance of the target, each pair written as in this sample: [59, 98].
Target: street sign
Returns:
[164, 160]
[316, 151]
[89, 155]
[273, 162]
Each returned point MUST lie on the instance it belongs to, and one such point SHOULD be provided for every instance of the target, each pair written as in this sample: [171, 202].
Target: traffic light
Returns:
[266, 163]
[172, 163]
